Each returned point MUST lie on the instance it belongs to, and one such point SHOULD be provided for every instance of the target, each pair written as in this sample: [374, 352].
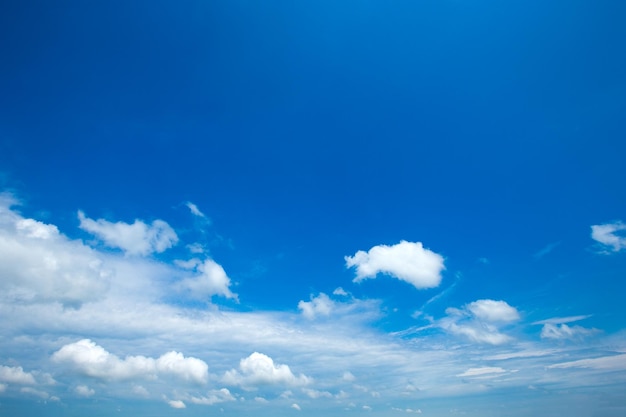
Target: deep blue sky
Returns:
[492, 132]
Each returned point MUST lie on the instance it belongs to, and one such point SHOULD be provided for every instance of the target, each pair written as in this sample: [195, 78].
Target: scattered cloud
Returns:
[137, 238]
[559, 320]
[480, 321]
[16, 375]
[406, 261]
[605, 235]
[296, 407]
[486, 370]
[340, 291]
[563, 331]
[612, 363]
[213, 397]
[84, 391]
[194, 209]
[321, 305]
[211, 280]
[92, 360]
[176, 404]
[259, 369]
[493, 311]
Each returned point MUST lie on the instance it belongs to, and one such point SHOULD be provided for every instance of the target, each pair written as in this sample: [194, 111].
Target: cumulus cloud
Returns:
[84, 391]
[321, 305]
[406, 261]
[480, 321]
[38, 393]
[210, 280]
[605, 235]
[137, 238]
[296, 407]
[92, 360]
[39, 264]
[176, 404]
[260, 369]
[213, 397]
[16, 375]
[493, 311]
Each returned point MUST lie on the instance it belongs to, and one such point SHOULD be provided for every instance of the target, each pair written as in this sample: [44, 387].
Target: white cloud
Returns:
[563, 331]
[606, 236]
[84, 391]
[194, 209]
[92, 360]
[559, 320]
[406, 261]
[296, 407]
[321, 305]
[38, 264]
[340, 291]
[493, 311]
[259, 369]
[16, 375]
[176, 404]
[347, 376]
[137, 238]
[479, 321]
[315, 394]
[140, 390]
[213, 397]
[38, 393]
[611, 363]
[481, 371]
[211, 280]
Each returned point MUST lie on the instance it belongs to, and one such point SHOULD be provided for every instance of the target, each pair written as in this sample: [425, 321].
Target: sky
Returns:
[339, 208]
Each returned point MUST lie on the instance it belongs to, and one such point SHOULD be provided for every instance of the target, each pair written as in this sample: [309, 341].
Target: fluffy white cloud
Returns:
[92, 360]
[177, 404]
[211, 280]
[563, 331]
[296, 407]
[38, 393]
[16, 375]
[606, 236]
[406, 261]
[259, 369]
[137, 238]
[479, 321]
[39, 264]
[493, 311]
[321, 305]
[84, 391]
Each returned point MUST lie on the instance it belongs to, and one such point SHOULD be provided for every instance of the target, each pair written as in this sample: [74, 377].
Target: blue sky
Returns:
[292, 209]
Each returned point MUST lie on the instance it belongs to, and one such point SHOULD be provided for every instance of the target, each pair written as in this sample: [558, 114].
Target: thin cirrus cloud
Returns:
[606, 236]
[406, 261]
[90, 359]
[137, 238]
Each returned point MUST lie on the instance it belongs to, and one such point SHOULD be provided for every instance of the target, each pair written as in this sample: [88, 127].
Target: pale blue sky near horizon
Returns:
[292, 208]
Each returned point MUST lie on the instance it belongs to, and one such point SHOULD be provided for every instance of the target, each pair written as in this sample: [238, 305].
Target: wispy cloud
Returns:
[546, 250]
